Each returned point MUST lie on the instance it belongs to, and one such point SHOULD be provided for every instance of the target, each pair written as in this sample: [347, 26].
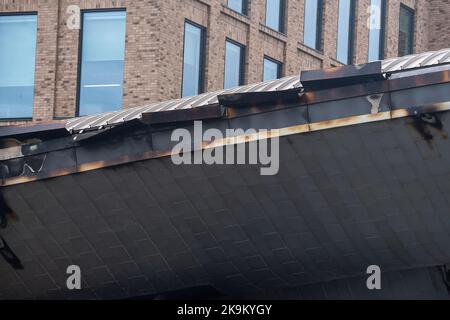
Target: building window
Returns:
[346, 22]
[193, 60]
[275, 14]
[376, 30]
[102, 61]
[272, 69]
[17, 65]
[406, 34]
[234, 64]
[313, 24]
[240, 6]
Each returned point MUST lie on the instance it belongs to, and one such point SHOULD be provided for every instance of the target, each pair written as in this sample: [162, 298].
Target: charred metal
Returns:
[323, 99]
[423, 122]
[341, 76]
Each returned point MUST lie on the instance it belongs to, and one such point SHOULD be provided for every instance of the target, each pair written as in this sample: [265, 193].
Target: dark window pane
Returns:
[17, 65]
[376, 28]
[345, 25]
[192, 61]
[274, 14]
[233, 65]
[406, 32]
[102, 64]
[312, 30]
[238, 5]
[272, 69]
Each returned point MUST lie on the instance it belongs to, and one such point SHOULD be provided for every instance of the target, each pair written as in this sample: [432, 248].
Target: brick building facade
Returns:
[154, 44]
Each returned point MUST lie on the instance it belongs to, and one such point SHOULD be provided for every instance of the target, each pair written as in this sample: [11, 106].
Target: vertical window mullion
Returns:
[319, 25]
[242, 67]
[412, 31]
[281, 17]
[351, 40]
[279, 71]
[383, 29]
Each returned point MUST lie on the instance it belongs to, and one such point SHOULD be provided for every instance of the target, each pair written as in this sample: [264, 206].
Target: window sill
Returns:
[16, 119]
[205, 2]
[337, 62]
[272, 32]
[63, 118]
[235, 14]
[313, 52]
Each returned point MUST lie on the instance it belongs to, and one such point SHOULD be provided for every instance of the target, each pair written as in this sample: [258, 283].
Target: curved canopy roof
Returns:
[102, 120]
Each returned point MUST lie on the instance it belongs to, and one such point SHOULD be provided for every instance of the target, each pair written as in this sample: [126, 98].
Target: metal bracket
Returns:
[375, 101]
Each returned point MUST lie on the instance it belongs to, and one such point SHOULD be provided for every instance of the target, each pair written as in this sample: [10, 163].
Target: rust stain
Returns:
[400, 113]
[350, 121]
[446, 76]
[406, 112]
[310, 97]
[91, 166]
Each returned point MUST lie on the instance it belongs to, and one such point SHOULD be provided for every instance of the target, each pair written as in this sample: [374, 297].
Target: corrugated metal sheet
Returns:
[113, 118]
[420, 60]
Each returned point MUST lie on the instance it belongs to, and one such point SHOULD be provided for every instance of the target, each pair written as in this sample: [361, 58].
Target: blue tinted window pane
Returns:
[273, 14]
[237, 5]
[271, 70]
[192, 61]
[233, 65]
[311, 23]
[17, 65]
[406, 32]
[102, 65]
[343, 39]
[375, 30]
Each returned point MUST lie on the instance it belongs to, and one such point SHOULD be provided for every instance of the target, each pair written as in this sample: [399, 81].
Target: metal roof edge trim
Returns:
[281, 132]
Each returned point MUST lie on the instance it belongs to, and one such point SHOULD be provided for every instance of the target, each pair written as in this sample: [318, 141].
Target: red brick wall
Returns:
[439, 26]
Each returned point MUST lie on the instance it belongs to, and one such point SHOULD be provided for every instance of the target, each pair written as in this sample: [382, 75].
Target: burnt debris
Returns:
[424, 121]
